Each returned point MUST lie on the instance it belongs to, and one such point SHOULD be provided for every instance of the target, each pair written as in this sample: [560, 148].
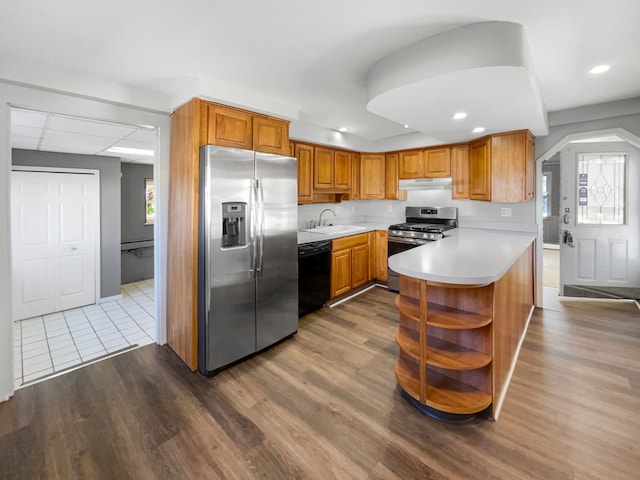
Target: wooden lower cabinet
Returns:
[359, 265]
[349, 263]
[458, 343]
[340, 272]
[381, 250]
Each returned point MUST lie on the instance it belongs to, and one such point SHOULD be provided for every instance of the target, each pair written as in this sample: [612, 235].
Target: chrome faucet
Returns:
[325, 210]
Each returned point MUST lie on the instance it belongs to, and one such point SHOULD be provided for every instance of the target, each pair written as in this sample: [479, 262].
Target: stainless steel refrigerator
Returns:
[248, 264]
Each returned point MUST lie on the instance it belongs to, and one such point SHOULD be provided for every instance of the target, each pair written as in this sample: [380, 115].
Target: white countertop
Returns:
[307, 237]
[469, 256]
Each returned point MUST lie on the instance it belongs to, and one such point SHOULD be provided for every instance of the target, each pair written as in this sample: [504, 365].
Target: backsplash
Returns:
[471, 214]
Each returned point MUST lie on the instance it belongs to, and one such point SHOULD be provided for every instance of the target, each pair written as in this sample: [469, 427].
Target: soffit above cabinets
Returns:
[52, 132]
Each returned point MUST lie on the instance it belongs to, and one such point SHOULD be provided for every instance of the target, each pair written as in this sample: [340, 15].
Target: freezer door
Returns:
[277, 282]
[227, 308]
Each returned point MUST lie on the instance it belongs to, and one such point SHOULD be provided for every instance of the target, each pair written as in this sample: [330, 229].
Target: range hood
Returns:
[425, 184]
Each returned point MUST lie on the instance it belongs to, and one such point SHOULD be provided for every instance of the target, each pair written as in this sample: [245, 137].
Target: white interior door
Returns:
[54, 224]
[600, 213]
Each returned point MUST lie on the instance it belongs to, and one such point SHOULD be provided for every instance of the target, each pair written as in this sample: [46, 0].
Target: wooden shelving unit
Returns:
[445, 341]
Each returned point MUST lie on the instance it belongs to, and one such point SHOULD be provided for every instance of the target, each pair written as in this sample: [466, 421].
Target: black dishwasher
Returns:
[314, 275]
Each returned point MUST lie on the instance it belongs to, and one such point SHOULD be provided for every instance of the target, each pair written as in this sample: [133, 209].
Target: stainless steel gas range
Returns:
[422, 225]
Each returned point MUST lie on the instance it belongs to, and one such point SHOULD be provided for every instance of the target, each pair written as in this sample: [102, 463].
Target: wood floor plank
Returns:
[325, 404]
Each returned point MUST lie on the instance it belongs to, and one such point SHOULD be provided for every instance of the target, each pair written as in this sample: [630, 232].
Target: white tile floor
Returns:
[49, 344]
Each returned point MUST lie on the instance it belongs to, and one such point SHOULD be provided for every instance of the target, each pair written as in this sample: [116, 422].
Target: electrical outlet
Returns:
[505, 212]
[389, 208]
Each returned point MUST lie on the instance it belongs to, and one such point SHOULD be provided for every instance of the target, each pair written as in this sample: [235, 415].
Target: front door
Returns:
[54, 223]
[599, 214]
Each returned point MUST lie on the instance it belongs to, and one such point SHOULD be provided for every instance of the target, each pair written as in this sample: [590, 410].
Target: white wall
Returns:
[13, 95]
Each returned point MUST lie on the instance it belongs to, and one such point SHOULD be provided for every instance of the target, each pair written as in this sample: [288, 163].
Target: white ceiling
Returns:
[33, 130]
[313, 58]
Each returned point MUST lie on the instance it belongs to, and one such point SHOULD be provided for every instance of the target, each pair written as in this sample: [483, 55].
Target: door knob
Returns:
[568, 238]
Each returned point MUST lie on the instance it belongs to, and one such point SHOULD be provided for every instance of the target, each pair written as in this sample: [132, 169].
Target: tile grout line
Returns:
[46, 333]
[143, 295]
[134, 320]
[71, 333]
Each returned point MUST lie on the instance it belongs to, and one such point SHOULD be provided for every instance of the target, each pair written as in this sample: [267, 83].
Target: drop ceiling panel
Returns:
[69, 148]
[28, 118]
[27, 143]
[27, 132]
[97, 143]
[90, 127]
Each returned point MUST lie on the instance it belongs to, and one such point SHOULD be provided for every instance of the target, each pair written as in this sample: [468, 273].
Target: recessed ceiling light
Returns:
[131, 151]
[406, 126]
[342, 129]
[459, 116]
[599, 69]
[478, 130]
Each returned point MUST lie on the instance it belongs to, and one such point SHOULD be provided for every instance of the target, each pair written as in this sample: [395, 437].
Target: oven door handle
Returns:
[407, 241]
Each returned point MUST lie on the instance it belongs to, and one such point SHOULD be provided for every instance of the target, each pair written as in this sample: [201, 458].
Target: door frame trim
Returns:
[76, 171]
[623, 133]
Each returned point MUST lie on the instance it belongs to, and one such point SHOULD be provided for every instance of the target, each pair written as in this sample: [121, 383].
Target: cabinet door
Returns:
[411, 165]
[271, 135]
[342, 170]
[437, 162]
[340, 272]
[359, 265]
[381, 248]
[508, 166]
[355, 177]
[304, 154]
[530, 166]
[391, 191]
[372, 176]
[229, 128]
[460, 172]
[372, 256]
[480, 170]
[323, 168]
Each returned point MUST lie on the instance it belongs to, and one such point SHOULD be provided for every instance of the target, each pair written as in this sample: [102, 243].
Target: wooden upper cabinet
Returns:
[391, 191]
[480, 170]
[512, 167]
[411, 165]
[372, 176]
[437, 162]
[460, 172]
[271, 135]
[304, 154]
[342, 170]
[323, 168]
[354, 194]
[228, 127]
[530, 168]
[231, 127]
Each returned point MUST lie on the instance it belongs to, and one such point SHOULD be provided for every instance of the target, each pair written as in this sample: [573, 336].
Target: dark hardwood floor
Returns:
[324, 405]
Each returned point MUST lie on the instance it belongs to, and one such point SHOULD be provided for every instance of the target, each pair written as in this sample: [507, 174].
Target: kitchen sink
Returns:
[335, 229]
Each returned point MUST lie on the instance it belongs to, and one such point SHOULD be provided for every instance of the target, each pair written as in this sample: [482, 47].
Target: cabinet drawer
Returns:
[349, 242]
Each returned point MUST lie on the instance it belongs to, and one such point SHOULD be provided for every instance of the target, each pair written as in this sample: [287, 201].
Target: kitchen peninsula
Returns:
[464, 303]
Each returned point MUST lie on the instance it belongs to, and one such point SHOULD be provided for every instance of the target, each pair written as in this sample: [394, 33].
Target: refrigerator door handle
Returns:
[253, 226]
[260, 234]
